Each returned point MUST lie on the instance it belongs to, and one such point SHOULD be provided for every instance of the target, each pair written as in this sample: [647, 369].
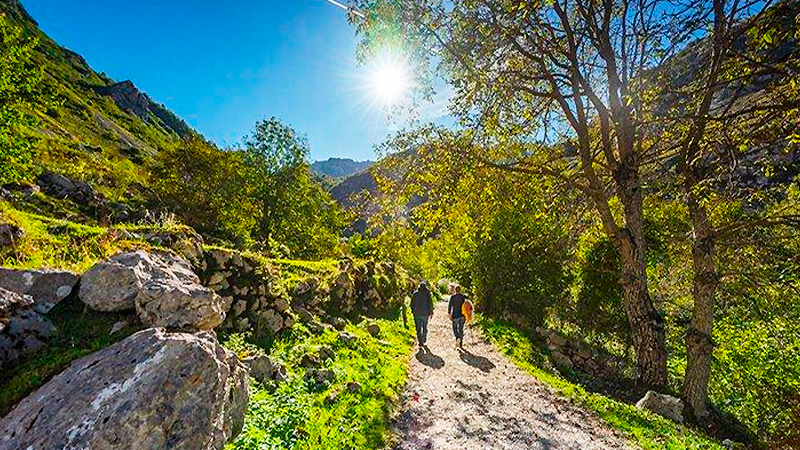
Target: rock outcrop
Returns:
[47, 287]
[152, 390]
[22, 329]
[663, 405]
[162, 288]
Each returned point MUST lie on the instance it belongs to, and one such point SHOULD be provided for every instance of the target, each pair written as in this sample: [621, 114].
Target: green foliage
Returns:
[519, 267]
[599, 307]
[297, 414]
[293, 209]
[207, 188]
[20, 97]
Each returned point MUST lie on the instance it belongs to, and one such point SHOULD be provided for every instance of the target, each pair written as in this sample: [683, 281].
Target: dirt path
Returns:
[477, 399]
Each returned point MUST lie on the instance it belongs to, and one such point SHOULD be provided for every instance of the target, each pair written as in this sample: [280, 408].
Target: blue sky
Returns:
[223, 65]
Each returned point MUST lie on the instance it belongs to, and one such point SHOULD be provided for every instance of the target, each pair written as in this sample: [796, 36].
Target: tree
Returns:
[553, 88]
[20, 99]
[715, 115]
[293, 209]
[207, 188]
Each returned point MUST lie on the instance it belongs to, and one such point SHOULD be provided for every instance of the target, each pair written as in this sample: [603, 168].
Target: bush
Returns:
[519, 268]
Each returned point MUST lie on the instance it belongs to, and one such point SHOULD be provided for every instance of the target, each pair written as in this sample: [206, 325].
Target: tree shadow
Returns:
[480, 362]
[426, 357]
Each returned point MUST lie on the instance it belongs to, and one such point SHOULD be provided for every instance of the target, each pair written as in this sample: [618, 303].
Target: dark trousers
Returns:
[458, 327]
[421, 324]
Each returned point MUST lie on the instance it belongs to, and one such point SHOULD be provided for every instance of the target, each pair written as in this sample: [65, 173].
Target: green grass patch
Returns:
[645, 429]
[297, 414]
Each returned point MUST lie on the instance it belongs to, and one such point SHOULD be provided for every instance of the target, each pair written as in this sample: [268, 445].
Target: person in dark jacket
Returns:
[422, 308]
[454, 309]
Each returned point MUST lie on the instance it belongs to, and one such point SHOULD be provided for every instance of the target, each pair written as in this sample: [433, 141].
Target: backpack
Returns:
[466, 309]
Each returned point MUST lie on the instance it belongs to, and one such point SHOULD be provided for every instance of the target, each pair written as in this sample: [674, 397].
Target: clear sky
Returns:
[222, 65]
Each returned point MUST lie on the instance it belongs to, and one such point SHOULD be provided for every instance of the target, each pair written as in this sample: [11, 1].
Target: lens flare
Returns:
[389, 79]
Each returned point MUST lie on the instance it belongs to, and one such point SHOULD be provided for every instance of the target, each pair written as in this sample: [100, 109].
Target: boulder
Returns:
[270, 321]
[10, 233]
[152, 390]
[22, 330]
[663, 405]
[46, 287]
[161, 287]
[171, 302]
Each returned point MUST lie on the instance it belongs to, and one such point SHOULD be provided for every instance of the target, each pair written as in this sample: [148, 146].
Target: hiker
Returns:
[455, 309]
[422, 308]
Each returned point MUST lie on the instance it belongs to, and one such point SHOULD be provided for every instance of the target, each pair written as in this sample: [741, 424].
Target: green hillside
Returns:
[91, 127]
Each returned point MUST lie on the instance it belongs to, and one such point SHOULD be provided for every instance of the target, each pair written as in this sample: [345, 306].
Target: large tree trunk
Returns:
[647, 325]
[699, 341]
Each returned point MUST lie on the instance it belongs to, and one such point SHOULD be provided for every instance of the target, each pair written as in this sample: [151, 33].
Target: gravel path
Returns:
[477, 399]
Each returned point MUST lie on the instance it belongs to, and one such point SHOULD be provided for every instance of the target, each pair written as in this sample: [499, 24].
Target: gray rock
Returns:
[176, 304]
[353, 387]
[304, 315]
[161, 287]
[263, 368]
[270, 321]
[152, 390]
[326, 353]
[347, 338]
[23, 331]
[47, 287]
[118, 326]
[663, 405]
[10, 234]
[338, 323]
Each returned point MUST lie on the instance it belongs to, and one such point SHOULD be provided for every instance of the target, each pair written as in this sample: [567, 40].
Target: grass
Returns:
[79, 332]
[300, 415]
[63, 244]
[643, 428]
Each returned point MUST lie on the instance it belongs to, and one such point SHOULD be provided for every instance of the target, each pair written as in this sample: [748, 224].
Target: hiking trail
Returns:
[478, 399]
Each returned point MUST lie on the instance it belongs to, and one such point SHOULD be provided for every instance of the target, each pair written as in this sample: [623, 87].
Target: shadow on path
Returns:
[429, 359]
[479, 362]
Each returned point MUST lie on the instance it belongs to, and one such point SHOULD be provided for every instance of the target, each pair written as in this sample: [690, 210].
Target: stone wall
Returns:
[260, 300]
[568, 353]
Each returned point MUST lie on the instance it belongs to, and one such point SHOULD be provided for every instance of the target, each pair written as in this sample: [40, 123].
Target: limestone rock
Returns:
[162, 288]
[22, 330]
[663, 405]
[46, 287]
[152, 390]
[263, 368]
[176, 304]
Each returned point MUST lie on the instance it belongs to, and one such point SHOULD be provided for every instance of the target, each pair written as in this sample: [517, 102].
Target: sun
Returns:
[389, 79]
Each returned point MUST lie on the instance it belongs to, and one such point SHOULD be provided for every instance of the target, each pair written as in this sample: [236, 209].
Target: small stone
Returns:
[353, 387]
[347, 338]
[118, 326]
[663, 405]
[304, 315]
[374, 329]
[339, 323]
[326, 353]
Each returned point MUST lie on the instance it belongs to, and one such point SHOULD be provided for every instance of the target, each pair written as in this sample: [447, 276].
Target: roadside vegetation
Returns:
[352, 411]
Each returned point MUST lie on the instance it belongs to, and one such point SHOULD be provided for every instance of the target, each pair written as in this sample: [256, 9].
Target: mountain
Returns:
[340, 167]
[93, 128]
